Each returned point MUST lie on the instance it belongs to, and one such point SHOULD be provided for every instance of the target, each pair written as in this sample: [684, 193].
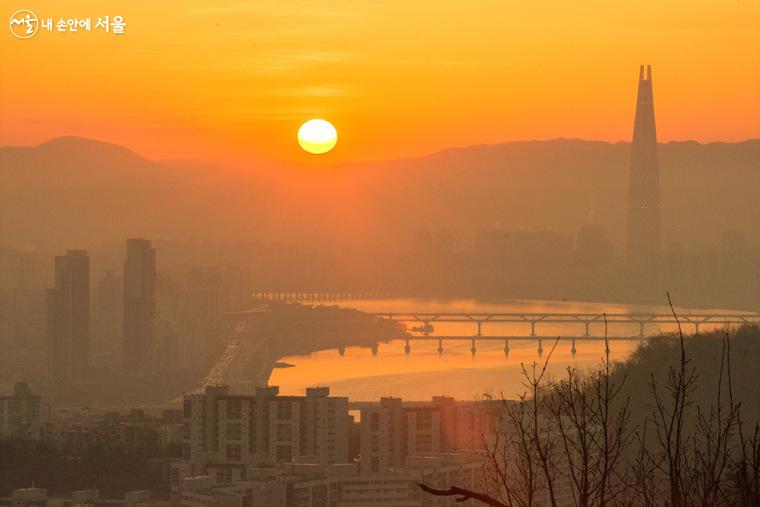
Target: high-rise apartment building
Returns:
[264, 429]
[68, 317]
[139, 306]
[392, 431]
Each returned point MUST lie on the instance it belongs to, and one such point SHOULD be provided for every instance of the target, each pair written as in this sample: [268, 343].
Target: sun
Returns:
[317, 136]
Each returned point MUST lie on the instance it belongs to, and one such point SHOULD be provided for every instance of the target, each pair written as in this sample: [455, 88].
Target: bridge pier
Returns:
[540, 347]
[440, 346]
[342, 350]
[407, 347]
[573, 350]
[696, 328]
[506, 346]
[473, 348]
[374, 349]
[641, 329]
[587, 331]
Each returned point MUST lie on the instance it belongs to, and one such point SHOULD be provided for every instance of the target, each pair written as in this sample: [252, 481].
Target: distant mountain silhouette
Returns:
[566, 183]
[70, 191]
[73, 191]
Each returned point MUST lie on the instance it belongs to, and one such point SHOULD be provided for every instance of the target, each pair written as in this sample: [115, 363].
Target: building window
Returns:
[233, 452]
[424, 421]
[224, 475]
[375, 421]
[375, 464]
[375, 443]
[424, 442]
[284, 453]
[234, 409]
[284, 411]
[284, 432]
[233, 431]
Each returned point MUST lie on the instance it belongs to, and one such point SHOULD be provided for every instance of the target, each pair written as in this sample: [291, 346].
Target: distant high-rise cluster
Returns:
[644, 180]
[68, 313]
[139, 305]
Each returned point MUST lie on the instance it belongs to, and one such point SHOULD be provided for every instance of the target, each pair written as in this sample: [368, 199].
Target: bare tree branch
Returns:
[462, 494]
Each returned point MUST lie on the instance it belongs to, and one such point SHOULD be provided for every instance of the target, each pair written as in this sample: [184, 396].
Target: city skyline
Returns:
[379, 252]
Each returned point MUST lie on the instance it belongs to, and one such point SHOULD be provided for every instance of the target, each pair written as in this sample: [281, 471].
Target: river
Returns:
[423, 373]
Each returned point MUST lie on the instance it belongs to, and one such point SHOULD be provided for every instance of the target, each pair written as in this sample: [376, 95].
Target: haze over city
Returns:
[379, 253]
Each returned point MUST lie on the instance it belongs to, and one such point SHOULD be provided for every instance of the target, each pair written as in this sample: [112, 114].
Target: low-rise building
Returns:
[337, 485]
[29, 497]
[23, 414]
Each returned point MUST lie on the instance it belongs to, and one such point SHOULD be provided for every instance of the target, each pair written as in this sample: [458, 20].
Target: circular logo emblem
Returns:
[24, 24]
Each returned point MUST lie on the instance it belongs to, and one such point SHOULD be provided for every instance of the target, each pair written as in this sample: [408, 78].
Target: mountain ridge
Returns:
[88, 142]
[109, 191]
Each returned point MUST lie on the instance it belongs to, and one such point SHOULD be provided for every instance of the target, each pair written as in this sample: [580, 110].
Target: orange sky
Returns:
[216, 79]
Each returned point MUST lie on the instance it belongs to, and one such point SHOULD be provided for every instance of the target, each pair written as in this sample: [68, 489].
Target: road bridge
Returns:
[610, 322]
[315, 296]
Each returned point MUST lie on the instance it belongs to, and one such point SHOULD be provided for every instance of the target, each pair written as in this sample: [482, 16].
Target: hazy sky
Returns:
[195, 78]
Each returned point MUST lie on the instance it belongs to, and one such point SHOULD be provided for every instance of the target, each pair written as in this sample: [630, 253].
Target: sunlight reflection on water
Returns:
[457, 372]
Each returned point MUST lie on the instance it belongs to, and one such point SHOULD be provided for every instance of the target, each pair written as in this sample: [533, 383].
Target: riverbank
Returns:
[456, 371]
[262, 338]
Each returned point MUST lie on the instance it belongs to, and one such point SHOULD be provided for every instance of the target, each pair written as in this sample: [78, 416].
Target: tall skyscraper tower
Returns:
[644, 180]
[139, 305]
[68, 312]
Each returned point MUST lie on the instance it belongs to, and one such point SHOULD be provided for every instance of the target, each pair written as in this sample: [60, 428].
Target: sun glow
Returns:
[317, 136]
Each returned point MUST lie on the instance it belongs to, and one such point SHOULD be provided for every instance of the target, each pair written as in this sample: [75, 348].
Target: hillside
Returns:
[77, 191]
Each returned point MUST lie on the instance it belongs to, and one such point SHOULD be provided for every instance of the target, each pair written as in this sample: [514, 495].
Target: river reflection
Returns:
[424, 372]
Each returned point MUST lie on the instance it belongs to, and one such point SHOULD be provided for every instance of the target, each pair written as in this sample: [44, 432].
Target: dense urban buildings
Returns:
[68, 313]
[296, 449]
[139, 306]
[265, 449]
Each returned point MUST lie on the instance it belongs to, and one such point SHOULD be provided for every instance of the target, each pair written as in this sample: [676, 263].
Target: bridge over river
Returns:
[612, 325]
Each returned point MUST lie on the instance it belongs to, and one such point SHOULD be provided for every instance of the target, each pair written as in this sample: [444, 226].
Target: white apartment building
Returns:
[393, 430]
[229, 432]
